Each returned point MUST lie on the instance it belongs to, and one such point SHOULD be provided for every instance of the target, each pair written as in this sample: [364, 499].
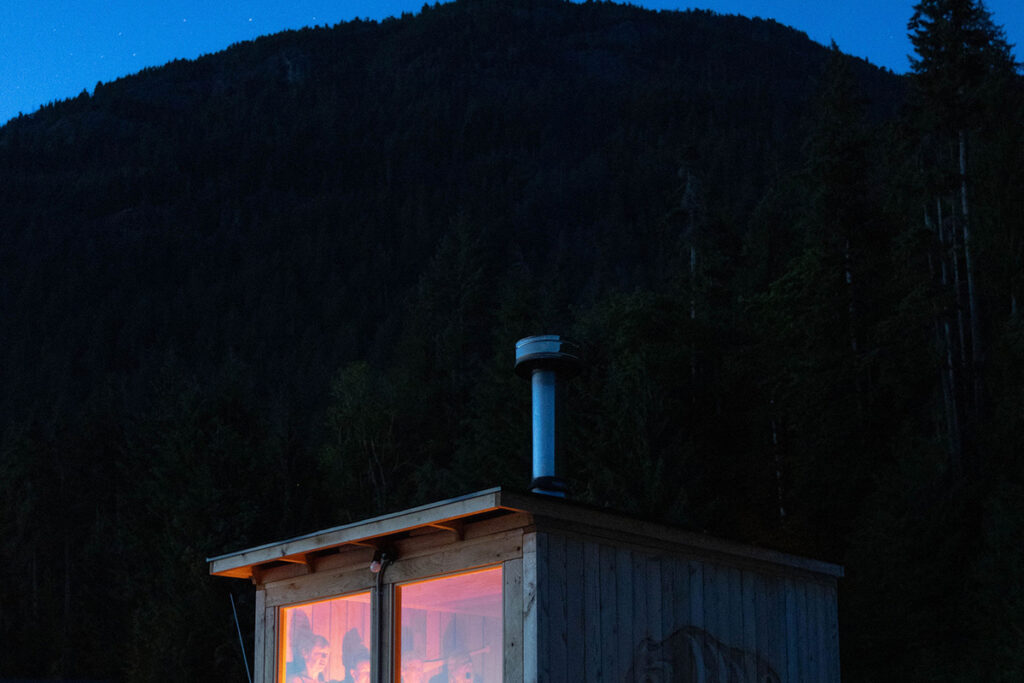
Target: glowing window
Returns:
[450, 629]
[327, 640]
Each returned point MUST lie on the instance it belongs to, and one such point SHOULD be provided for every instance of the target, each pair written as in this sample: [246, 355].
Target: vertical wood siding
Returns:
[270, 646]
[512, 608]
[260, 638]
[594, 608]
[530, 617]
[606, 612]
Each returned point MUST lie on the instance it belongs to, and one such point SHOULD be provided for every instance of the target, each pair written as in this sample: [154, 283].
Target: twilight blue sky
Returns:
[54, 49]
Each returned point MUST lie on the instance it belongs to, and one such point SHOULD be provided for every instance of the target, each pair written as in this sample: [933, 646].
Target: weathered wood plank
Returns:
[680, 594]
[575, 626]
[470, 554]
[610, 632]
[793, 619]
[271, 648]
[713, 617]
[422, 541]
[628, 529]
[667, 596]
[318, 586]
[512, 628]
[748, 591]
[556, 598]
[816, 606]
[809, 646]
[736, 626]
[480, 552]
[347, 560]
[624, 608]
[641, 626]
[727, 594]
[531, 629]
[779, 635]
[696, 572]
[733, 603]
[832, 639]
[544, 633]
[259, 640]
[765, 627]
[654, 596]
[803, 634]
[237, 564]
[591, 612]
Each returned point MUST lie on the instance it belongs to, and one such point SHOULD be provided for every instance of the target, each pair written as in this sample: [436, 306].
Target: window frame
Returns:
[501, 543]
[395, 626]
[282, 630]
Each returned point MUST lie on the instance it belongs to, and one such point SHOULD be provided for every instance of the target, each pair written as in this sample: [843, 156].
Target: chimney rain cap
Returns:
[547, 352]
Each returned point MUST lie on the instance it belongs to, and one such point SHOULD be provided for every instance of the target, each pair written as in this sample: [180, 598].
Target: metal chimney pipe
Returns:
[544, 360]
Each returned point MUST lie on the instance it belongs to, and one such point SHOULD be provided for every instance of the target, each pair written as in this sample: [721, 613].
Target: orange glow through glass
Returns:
[450, 629]
[324, 640]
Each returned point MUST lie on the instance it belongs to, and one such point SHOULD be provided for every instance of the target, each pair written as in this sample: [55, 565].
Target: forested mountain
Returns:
[277, 288]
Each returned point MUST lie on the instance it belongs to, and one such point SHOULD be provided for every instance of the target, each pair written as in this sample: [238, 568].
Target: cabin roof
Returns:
[453, 513]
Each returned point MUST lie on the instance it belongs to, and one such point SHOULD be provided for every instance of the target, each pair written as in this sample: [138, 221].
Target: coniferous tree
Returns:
[962, 64]
[280, 204]
[817, 322]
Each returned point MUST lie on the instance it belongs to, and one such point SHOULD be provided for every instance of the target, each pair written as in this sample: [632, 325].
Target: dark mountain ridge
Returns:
[276, 288]
[358, 145]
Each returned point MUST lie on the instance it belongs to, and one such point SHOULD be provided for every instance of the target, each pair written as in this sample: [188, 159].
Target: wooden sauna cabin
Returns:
[510, 586]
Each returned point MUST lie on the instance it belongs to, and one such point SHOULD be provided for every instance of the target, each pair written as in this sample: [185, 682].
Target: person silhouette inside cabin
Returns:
[356, 658]
[458, 660]
[313, 652]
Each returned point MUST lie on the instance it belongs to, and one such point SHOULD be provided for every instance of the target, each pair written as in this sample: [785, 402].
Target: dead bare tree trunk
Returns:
[777, 456]
[851, 311]
[945, 339]
[972, 298]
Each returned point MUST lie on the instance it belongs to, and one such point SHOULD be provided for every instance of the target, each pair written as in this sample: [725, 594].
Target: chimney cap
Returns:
[547, 352]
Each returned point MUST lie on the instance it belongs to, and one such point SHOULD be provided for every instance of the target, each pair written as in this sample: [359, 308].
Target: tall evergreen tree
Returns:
[962, 60]
[816, 323]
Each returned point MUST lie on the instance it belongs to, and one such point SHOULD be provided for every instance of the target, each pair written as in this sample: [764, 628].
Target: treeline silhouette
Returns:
[277, 288]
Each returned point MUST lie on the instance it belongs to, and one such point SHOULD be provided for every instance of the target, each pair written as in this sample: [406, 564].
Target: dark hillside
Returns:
[276, 201]
[277, 288]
